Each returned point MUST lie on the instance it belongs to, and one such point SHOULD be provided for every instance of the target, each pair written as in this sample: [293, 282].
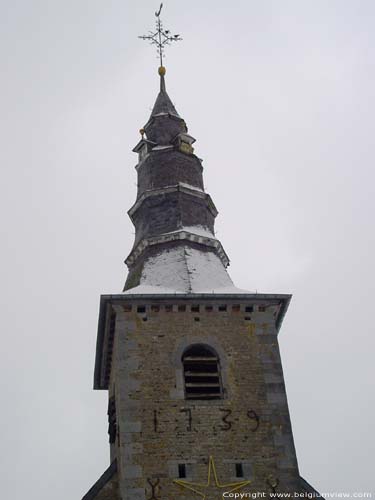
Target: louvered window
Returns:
[201, 373]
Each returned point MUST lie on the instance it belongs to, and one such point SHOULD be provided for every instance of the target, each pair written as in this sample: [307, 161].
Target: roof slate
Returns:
[163, 103]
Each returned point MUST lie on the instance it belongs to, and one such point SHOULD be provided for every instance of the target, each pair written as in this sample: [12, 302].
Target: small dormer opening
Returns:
[184, 142]
[185, 147]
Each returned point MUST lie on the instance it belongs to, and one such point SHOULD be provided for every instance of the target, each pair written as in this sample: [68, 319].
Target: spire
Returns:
[163, 103]
[175, 246]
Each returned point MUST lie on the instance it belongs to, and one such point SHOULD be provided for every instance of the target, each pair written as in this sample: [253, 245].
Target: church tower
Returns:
[197, 406]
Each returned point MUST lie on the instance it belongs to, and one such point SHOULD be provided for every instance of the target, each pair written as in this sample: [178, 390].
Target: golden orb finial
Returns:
[162, 70]
[142, 132]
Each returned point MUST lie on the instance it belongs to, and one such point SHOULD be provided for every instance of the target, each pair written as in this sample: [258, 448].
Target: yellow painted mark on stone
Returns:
[204, 489]
[252, 328]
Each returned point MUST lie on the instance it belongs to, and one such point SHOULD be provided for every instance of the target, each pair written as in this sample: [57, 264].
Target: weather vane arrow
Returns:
[161, 37]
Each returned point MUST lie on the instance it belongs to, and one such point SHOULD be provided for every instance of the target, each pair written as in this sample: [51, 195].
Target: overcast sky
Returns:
[280, 97]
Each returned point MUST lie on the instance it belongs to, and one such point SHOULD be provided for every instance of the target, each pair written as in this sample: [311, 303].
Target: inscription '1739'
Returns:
[227, 423]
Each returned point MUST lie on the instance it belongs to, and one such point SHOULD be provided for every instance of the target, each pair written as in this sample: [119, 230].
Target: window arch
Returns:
[202, 378]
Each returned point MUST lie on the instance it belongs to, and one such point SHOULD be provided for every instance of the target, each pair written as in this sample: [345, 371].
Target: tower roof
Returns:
[175, 247]
[163, 103]
[165, 123]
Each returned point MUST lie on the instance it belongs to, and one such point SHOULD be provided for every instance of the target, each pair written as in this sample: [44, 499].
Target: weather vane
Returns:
[161, 37]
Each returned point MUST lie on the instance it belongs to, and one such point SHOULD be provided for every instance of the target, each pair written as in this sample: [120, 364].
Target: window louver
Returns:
[201, 373]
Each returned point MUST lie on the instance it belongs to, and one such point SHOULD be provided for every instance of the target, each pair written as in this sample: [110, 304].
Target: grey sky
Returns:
[280, 96]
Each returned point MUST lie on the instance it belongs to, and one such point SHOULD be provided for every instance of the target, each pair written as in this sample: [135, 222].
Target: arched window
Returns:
[201, 373]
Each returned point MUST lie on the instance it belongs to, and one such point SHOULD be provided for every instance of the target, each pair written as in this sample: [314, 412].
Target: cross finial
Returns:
[161, 37]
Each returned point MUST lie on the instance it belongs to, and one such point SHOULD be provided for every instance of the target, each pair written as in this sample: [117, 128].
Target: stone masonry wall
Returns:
[159, 429]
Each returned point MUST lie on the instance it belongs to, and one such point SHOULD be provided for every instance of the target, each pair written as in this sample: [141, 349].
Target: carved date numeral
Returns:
[253, 416]
[227, 423]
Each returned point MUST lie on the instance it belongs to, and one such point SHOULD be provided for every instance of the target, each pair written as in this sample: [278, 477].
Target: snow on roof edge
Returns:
[151, 290]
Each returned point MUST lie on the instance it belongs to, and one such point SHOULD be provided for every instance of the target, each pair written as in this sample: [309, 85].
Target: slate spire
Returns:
[175, 247]
[163, 104]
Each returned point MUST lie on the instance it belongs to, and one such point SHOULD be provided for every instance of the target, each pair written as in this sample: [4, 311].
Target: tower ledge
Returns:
[180, 234]
[181, 186]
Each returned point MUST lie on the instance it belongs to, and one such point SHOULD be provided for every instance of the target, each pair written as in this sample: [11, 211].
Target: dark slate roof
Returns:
[308, 488]
[101, 482]
[163, 104]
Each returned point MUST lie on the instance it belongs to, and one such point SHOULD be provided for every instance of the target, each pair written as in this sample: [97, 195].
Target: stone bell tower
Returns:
[197, 403]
